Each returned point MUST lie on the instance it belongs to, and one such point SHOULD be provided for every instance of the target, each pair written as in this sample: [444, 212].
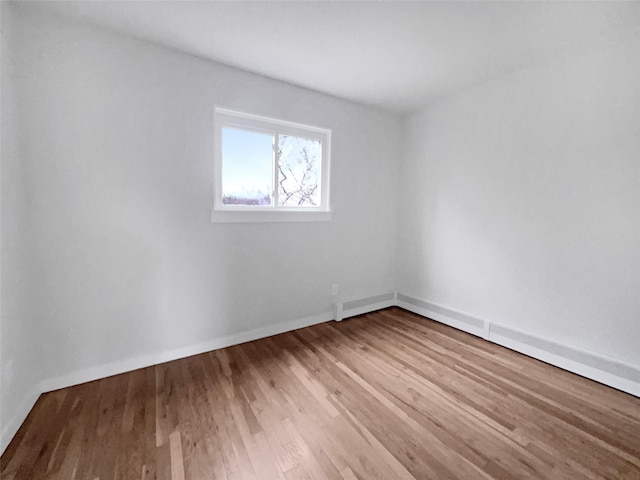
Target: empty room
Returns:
[320, 240]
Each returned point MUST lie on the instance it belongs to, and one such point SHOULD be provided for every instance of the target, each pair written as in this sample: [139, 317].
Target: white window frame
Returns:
[220, 213]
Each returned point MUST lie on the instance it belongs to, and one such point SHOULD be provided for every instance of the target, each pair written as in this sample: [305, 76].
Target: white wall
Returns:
[19, 366]
[117, 165]
[521, 200]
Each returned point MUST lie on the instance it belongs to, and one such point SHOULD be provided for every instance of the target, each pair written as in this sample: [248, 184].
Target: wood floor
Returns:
[388, 396]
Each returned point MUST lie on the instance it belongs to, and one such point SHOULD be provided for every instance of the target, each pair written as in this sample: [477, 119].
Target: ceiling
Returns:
[398, 56]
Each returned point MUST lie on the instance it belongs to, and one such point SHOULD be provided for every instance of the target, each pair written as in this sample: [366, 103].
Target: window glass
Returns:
[247, 167]
[299, 171]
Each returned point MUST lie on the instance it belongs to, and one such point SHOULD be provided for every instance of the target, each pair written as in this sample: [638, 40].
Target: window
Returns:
[269, 170]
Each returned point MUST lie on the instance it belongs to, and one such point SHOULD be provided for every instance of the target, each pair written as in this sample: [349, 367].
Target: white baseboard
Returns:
[453, 318]
[359, 306]
[354, 307]
[95, 373]
[608, 371]
[11, 425]
[115, 368]
[350, 309]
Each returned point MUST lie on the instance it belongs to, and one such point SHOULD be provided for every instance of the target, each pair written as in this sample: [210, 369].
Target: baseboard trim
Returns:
[360, 306]
[116, 368]
[606, 370]
[10, 428]
[453, 318]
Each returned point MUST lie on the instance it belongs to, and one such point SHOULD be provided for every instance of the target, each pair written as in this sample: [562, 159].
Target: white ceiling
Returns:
[394, 55]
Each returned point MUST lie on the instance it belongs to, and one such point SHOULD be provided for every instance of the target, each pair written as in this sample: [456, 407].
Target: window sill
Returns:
[253, 216]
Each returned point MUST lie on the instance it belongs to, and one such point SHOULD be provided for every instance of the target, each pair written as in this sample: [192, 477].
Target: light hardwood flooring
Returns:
[388, 396]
